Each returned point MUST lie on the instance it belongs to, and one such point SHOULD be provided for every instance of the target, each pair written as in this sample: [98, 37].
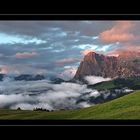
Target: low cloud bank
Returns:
[29, 95]
[41, 94]
[95, 79]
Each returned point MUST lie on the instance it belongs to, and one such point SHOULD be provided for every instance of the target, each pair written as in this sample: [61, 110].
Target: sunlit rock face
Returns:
[123, 65]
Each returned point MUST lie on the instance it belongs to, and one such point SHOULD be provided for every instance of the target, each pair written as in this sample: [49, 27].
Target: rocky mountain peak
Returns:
[125, 65]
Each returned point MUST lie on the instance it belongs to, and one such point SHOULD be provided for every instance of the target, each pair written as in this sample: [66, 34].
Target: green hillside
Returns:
[131, 82]
[126, 107]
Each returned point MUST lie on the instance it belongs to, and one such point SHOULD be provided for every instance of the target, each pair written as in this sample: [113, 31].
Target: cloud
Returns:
[95, 79]
[21, 69]
[67, 61]
[42, 94]
[1, 55]
[57, 51]
[26, 55]
[86, 46]
[29, 95]
[8, 100]
[113, 54]
[100, 49]
[129, 50]
[23, 39]
[36, 28]
[68, 73]
[53, 41]
[118, 33]
[3, 69]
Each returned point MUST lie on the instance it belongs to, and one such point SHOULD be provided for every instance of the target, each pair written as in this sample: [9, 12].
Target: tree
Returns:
[18, 108]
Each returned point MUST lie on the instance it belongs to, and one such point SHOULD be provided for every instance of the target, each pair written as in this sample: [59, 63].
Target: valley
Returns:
[126, 107]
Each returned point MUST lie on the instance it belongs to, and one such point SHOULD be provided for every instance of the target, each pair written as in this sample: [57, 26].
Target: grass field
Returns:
[132, 83]
[126, 107]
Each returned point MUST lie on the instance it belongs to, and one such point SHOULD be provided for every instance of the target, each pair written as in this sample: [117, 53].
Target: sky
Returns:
[56, 48]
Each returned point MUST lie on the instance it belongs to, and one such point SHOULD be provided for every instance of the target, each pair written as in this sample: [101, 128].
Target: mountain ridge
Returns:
[109, 66]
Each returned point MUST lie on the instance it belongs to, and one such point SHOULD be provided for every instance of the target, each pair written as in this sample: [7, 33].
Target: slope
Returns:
[130, 82]
[126, 107]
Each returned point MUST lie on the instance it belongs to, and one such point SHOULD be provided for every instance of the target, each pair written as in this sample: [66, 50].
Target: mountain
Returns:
[124, 65]
[57, 80]
[28, 77]
[2, 76]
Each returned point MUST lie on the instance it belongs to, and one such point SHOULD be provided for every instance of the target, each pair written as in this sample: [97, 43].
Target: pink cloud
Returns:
[20, 69]
[8, 69]
[26, 55]
[4, 69]
[67, 61]
[113, 54]
[119, 33]
[126, 51]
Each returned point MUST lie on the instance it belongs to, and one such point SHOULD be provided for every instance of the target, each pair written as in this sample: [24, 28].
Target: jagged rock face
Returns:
[108, 66]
